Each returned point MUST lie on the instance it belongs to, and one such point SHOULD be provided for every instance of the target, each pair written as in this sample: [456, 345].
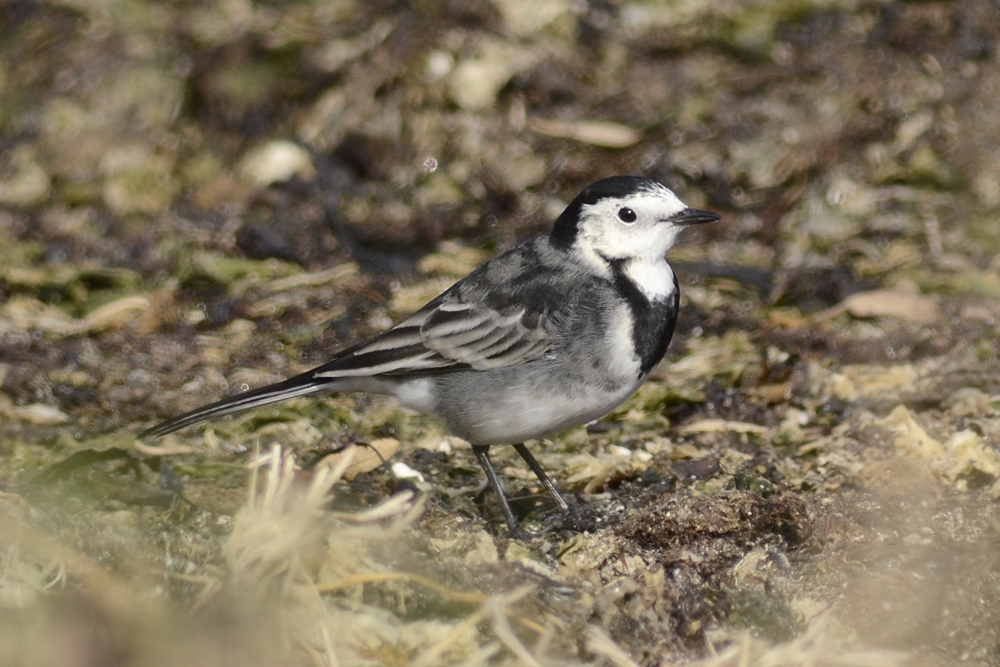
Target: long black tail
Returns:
[300, 385]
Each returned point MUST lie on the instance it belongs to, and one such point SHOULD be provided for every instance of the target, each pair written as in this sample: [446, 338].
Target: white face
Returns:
[634, 227]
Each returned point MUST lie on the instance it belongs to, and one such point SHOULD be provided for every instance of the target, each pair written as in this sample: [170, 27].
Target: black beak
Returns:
[693, 216]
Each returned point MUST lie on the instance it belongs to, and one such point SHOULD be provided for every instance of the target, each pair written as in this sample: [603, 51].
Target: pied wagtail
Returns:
[549, 335]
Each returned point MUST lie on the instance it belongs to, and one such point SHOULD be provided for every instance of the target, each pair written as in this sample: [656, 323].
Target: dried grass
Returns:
[291, 591]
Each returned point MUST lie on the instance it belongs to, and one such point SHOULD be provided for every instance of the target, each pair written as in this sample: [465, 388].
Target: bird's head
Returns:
[625, 218]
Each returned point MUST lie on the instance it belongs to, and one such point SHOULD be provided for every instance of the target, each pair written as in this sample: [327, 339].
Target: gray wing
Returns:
[446, 333]
[443, 334]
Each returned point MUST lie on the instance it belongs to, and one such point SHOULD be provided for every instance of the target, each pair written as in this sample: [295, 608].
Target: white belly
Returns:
[519, 415]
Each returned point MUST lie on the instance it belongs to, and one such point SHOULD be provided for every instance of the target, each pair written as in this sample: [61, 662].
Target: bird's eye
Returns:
[625, 214]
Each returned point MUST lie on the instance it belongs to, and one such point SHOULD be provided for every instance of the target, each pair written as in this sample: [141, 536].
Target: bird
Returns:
[551, 334]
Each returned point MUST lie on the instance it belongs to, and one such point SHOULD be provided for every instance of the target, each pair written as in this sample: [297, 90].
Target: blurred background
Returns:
[199, 197]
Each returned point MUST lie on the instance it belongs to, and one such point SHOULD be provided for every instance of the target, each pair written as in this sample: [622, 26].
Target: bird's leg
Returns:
[542, 477]
[483, 456]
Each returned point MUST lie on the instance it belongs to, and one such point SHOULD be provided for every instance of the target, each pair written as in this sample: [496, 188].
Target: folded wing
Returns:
[445, 334]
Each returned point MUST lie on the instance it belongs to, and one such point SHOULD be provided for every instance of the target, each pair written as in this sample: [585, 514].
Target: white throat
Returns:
[655, 279]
